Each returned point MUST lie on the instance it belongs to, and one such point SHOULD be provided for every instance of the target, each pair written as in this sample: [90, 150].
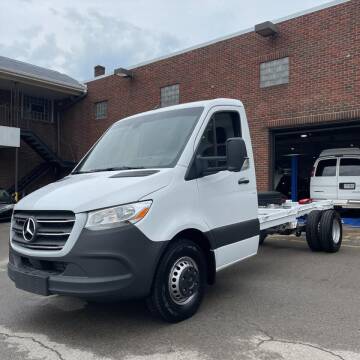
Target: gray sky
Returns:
[72, 36]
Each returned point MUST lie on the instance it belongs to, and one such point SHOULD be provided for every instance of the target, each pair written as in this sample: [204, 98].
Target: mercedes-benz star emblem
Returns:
[29, 229]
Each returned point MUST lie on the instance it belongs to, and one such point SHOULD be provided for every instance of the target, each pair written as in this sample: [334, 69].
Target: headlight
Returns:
[117, 216]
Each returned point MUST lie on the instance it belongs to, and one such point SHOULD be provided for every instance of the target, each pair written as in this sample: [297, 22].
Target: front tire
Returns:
[179, 282]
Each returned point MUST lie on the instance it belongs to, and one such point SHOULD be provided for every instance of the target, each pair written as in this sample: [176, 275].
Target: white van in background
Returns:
[336, 176]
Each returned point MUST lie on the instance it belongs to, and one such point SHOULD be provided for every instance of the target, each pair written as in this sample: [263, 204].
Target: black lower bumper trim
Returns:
[29, 281]
[110, 264]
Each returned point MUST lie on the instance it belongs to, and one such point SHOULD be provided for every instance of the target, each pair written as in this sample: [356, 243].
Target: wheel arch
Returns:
[204, 242]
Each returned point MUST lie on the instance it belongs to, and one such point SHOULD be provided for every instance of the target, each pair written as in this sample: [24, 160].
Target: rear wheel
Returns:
[330, 231]
[179, 282]
[313, 230]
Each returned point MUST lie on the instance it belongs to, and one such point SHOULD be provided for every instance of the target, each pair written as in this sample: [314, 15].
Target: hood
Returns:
[86, 192]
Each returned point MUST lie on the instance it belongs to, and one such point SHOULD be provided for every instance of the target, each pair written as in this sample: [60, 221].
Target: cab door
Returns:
[228, 200]
[349, 179]
[323, 183]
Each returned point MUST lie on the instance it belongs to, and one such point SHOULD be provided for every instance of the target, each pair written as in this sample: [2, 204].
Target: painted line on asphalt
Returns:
[3, 265]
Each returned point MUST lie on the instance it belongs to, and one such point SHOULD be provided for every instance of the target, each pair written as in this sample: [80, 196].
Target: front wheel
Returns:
[179, 283]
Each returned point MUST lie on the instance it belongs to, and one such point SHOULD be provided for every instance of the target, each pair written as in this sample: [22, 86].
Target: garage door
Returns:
[306, 144]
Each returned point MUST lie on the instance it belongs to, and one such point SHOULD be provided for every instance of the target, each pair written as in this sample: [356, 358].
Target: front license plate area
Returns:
[34, 283]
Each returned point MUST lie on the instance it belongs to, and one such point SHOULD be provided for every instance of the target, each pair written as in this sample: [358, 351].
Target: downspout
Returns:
[58, 118]
[58, 132]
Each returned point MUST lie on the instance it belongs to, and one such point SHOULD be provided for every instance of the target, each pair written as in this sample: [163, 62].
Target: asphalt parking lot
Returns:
[285, 303]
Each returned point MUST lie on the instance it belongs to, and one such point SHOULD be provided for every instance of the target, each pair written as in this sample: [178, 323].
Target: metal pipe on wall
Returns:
[294, 178]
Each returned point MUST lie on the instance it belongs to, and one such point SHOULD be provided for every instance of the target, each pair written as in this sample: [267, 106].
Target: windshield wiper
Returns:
[110, 169]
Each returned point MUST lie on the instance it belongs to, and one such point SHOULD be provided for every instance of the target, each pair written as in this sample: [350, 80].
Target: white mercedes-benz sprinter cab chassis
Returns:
[162, 201]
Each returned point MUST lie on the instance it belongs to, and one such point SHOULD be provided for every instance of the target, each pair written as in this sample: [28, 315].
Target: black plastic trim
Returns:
[108, 264]
[233, 233]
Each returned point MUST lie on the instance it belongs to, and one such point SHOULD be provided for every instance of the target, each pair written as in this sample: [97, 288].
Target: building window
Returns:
[170, 95]
[274, 72]
[37, 108]
[101, 110]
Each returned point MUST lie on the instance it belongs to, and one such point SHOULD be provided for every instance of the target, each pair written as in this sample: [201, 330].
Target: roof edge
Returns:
[42, 80]
[241, 32]
[28, 75]
[227, 37]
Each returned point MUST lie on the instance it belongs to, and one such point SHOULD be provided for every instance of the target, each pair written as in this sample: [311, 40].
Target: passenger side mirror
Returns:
[236, 153]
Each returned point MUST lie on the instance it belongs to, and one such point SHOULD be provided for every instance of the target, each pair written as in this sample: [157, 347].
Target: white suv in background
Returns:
[336, 176]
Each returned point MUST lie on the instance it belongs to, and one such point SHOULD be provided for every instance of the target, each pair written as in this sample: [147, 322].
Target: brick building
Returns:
[32, 101]
[298, 78]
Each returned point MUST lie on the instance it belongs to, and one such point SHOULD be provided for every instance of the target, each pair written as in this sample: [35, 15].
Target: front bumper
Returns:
[108, 264]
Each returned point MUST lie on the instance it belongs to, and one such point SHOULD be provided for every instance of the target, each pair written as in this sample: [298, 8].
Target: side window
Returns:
[349, 167]
[326, 168]
[222, 126]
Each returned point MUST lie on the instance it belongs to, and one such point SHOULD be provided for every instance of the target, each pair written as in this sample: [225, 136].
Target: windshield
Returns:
[148, 141]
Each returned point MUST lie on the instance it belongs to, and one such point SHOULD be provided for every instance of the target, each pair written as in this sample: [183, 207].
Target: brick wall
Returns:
[324, 84]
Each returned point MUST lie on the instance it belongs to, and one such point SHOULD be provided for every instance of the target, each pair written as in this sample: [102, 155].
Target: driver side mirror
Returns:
[236, 153]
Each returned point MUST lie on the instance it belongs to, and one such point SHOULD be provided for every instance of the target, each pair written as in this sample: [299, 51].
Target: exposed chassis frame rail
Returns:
[289, 213]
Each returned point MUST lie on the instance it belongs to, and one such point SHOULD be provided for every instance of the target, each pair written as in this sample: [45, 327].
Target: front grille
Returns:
[53, 229]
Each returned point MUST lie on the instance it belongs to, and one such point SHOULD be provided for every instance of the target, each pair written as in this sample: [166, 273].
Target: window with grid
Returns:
[101, 110]
[274, 72]
[37, 108]
[170, 95]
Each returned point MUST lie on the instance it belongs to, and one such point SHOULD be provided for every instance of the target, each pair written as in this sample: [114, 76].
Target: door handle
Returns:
[243, 181]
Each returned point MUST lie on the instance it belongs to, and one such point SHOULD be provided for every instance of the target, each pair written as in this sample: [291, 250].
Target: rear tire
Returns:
[179, 282]
[313, 230]
[330, 231]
